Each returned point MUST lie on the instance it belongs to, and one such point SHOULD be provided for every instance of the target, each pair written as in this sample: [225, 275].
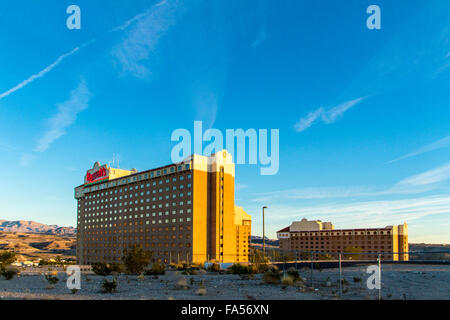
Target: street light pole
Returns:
[264, 235]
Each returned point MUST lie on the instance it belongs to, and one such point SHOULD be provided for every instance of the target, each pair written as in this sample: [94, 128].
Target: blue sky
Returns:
[363, 114]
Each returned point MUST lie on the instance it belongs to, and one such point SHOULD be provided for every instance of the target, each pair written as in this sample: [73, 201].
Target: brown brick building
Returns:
[305, 238]
[180, 212]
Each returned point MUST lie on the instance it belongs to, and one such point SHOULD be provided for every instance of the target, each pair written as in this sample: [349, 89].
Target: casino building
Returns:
[319, 239]
[180, 212]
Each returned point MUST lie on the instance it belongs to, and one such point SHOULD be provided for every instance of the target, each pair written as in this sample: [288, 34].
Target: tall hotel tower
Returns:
[179, 212]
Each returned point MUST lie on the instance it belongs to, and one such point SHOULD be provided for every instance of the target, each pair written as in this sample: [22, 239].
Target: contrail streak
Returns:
[50, 67]
[39, 74]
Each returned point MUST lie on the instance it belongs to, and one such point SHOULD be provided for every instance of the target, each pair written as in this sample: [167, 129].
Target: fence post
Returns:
[312, 270]
[340, 276]
[379, 276]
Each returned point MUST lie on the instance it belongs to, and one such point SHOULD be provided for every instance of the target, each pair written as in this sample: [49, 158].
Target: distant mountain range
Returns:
[35, 227]
[269, 242]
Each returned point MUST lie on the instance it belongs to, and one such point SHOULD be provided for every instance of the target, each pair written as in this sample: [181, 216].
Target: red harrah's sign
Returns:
[90, 177]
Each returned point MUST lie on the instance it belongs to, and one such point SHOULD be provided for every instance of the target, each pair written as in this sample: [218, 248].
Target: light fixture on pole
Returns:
[264, 235]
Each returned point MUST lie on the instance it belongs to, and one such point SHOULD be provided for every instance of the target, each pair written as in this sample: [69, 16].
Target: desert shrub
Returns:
[52, 280]
[238, 268]
[247, 276]
[189, 272]
[182, 283]
[287, 280]
[352, 253]
[6, 258]
[105, 269]
[177, 266]
[182, 266]
[44, 262]
[318, 267]
[305, 256]
[293, 273]
[272, 277]
[262, 267]
[256, 256]
[156, 269]
[9, 273]
[197, 266]
[214, 267]
[115, 267]
[136, 259]
[101, 269]
[343, 282]
[109, 286]
[201, 291]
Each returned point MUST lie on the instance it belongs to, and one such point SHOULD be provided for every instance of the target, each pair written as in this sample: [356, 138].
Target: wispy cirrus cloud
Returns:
[415, 184]
[368, 213]
[260, 38]
[133, 53]
[326, 116]
[66, 116]
[66, 55]
[439, 144]
[433, 176]
[6, 147]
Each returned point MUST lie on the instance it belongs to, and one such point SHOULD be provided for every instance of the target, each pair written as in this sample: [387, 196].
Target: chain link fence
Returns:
[370, 275]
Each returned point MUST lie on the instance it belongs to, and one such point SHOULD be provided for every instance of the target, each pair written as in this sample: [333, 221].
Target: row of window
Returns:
[160, 221]
[156, 173]
[102, 195]
[153, 214]
[90, 207]
[160, 205]
[336, 233]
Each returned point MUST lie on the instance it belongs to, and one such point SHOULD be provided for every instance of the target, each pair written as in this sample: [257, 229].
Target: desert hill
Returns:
[35, 246]
[34, 227]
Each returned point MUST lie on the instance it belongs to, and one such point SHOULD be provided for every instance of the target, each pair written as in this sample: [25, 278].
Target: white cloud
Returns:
[206, 108]
[141, 40]
[308, 121]
[439, 144]
[434, 176]
[66, 116]
[317, 193]
[366, 213]
[415, 184]
[50, 67]
[260, 39]
[326, 116]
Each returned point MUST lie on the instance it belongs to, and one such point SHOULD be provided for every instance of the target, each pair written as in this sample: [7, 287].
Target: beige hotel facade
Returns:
[320, 238]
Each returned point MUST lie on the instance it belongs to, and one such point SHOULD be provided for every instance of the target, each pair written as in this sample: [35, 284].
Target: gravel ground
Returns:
[409, 282]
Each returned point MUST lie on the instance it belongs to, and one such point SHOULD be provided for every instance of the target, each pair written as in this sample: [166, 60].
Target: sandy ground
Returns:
[409, 282]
